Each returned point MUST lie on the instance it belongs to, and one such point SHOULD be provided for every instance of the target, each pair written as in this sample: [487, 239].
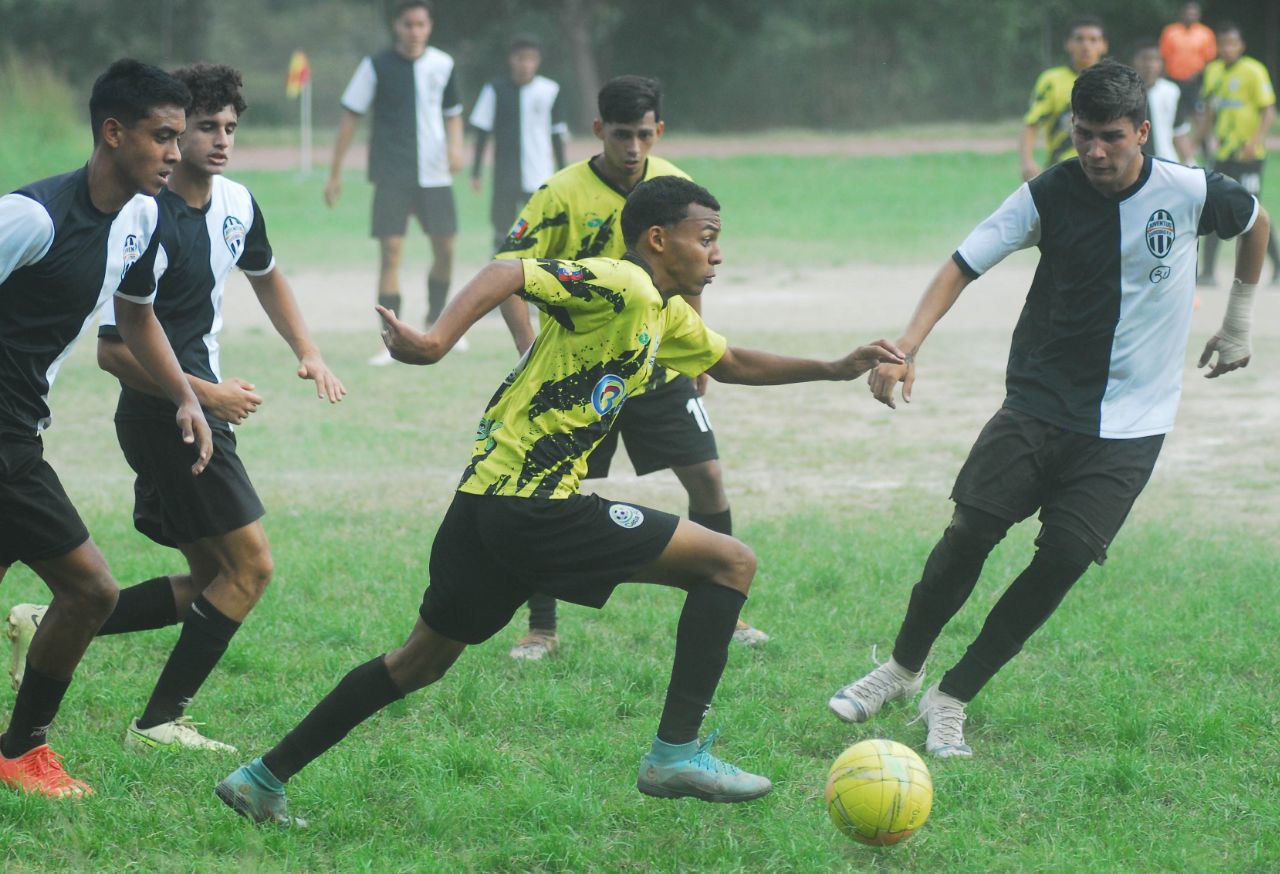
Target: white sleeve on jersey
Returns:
[360, 90]
[482, 113]
[26, 233]
[1015, 225]
[158, 266]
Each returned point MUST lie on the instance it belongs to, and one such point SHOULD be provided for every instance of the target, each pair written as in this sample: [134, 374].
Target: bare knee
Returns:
[736, 567]
[251, 575]
[94, 598]
[421, 661]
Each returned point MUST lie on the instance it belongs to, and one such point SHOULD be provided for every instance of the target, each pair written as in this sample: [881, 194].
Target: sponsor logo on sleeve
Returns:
[233, 235]
[132, 252]
[626, 516]
[565, 273]
[609, 392]
[1160, 233]
[520, 229]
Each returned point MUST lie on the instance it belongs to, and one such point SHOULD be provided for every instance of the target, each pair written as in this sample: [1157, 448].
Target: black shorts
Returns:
[1247, 173]
[169, 504]
[491, 553]
[1081, 483]
[37, 519]
[433, 207]
[662, 428]
[503, 211]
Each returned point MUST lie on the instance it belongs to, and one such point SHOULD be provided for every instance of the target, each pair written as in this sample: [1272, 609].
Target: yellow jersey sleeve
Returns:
[572, 293]
[688, 345]
[540, 231]
[1043, 103]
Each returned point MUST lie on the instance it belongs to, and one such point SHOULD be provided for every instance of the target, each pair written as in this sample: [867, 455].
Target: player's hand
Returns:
[332, 190]
[1030, 170]
[862, 359]
[1231, 356]
[327, 384]
[405, 343]
[232, 400]
[456, 160]
[195, 430]
[477, 184]
[885, 377]
[700, 384]
[1248, 152]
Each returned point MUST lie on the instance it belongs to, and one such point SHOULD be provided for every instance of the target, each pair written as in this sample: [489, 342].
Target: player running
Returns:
[576, 215]
[210, 225]
[1094, 377]
[1051, 99]
[66, 244]
[518, 525]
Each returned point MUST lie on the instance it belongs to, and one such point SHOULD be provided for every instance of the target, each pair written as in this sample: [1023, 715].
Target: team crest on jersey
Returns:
[1159, 273]
[519, 230]
[626, 516]
[1160, 233]
[233, 235]
[570, 274]
[609, 392]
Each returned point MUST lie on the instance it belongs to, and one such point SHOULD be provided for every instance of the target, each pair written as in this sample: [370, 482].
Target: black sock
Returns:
[437, 294]
[721, 523]
[391, 302]
[360, 694]
[143, 607]
[702, 648]
[37, 704]
[205, 635]
[542, 613]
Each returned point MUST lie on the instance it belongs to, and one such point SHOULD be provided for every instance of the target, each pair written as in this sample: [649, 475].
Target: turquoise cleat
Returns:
[253, 792]
[689, 770]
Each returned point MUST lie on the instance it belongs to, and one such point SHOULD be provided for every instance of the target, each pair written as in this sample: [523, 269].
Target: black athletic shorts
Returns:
[1247, 173]
[433, 207]
[37, 519]
[662, 428]
[169, 504]
[491, 553]
[1081, 483]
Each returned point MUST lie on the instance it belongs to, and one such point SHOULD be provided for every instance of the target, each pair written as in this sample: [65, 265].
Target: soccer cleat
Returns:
[180, 732]
[381, 358]
[248, 791]
[748, 635]
[24, 619]
[535, 645]
[701, 776]
[861, 700]
[40, 771]
[944, 716]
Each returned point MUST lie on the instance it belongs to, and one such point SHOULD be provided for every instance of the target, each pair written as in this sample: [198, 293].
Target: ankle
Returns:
[263, 775]
[668, 753]
[904, 672]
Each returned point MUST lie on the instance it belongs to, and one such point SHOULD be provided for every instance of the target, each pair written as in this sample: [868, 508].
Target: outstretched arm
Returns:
[1231, 342]
[751, 367]
[232, 400]
[496, 283]
[281, 307]
[346, 131]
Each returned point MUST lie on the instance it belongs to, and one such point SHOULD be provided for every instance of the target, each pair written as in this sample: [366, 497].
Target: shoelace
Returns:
[946, 722]
[881, 681]
[46, 765]
[703, 758]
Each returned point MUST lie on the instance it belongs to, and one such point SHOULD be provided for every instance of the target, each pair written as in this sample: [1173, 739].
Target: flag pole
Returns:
[306, 128]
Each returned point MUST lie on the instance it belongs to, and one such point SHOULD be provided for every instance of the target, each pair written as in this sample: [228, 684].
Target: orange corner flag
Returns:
[299, 73]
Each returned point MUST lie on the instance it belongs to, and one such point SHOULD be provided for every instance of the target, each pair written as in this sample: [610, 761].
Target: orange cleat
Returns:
[40, 770]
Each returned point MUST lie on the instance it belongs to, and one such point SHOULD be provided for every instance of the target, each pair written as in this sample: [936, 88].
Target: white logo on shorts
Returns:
[625, 516]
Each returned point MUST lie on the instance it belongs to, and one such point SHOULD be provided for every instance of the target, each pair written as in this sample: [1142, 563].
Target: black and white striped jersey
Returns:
[201, 248]
[410, 100]
[523, 119]
[60, 260]
[1100, 344]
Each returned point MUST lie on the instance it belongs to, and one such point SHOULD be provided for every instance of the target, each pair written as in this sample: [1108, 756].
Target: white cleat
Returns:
[181, 732]
[382, 358]
[861, 700]
[944, 716]
[24, 619]
[748, 635]
[535, 646]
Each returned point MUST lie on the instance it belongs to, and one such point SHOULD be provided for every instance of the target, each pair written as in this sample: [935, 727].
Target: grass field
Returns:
[1137, 733]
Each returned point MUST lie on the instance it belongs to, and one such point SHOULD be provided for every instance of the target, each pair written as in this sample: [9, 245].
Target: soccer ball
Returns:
[879, 792]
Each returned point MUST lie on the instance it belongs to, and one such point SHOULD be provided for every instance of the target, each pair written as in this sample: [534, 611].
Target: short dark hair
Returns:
[1109, 90]
[212, 87]
[628, 98]
[1229, 27]
[1085, 21]
[663, 200]
[403, 6]
[1145, 44]
[129, 90]
[524, 41]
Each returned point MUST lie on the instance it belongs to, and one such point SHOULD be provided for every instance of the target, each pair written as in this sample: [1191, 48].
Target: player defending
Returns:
[518, 524]
[414, 148]
[66, 244]
[522, 112]
[1051, 100]
[210, 225]
[575, 215]
[1240, 108]
[1094, 377]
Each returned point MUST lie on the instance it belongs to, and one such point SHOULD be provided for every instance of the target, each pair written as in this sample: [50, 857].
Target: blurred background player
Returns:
[1090, 394]
[1187, 46]
[66, 244]
[415, 145]
[576, 215]
[1166, 110]
[523, 114]
[1239, 110]
[518, 521]
[1051, 98]
[210, 226]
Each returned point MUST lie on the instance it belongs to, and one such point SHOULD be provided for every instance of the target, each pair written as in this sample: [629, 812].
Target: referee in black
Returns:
[1093, 381]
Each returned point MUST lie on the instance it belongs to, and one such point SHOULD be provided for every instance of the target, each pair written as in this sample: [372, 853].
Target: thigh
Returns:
[1004, 473]
[39, 520]
[693, 555]
[436, 212]
[667, 427]
[391, 207]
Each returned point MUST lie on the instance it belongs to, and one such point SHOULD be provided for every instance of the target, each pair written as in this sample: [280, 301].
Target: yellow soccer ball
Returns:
[879, 792]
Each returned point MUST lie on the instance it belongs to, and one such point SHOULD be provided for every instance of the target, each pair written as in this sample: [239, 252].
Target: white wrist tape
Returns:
[1233, 336]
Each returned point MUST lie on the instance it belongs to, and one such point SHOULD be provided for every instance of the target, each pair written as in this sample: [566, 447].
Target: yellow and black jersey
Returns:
[1238, 94]
[604, 329]
[1051, 111]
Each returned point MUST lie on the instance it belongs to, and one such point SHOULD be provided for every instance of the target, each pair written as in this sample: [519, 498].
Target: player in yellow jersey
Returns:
[518, 525]
[1051, 98]
[575, 215]
[1240, 108]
